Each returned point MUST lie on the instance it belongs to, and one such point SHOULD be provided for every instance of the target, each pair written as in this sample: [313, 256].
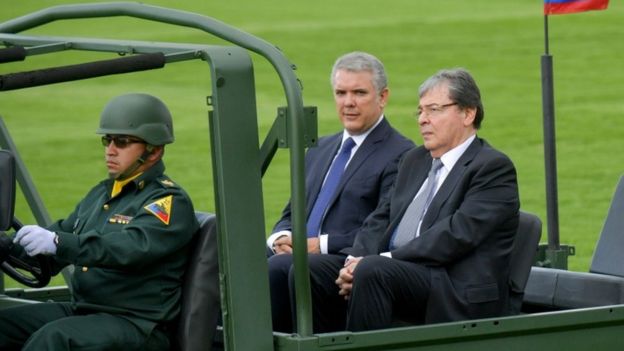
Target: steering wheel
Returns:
[24, 272]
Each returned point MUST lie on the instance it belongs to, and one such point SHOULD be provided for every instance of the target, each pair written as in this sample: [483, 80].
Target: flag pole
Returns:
[550, 154]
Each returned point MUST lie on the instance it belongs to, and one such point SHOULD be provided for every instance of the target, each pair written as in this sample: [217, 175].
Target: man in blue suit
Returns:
[347, 174]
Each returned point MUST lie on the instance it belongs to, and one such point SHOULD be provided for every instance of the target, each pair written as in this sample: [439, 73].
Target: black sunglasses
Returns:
[121, 141]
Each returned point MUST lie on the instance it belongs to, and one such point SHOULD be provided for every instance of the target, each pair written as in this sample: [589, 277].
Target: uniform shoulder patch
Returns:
[161, 208]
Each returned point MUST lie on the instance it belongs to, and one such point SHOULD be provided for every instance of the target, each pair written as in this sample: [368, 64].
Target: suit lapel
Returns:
[417, 173]
[451, 181]
[326, 153]
[417, 177]
[370, 144]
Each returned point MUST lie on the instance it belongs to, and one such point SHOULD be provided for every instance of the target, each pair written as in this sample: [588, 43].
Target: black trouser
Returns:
[281, 304]
[386, 290]
[57, 326]
[329, 309]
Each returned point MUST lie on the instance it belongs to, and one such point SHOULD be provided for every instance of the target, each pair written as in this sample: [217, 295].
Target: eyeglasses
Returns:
[433, 110]
[121, 141]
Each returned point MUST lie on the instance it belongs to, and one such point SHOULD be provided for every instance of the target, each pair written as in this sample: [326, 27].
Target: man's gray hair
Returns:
[358, 61]
[462, 89]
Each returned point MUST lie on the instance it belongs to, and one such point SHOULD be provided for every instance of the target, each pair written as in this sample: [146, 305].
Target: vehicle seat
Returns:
[603, 285]
[200, 307]
[522, 255]
[7, 174]
[608, 258]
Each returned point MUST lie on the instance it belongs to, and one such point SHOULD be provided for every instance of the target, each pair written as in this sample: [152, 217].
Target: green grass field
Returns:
[500, 42]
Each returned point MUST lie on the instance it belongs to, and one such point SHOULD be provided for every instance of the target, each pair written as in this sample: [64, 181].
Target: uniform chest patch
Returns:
[161, 208]
[119, 219]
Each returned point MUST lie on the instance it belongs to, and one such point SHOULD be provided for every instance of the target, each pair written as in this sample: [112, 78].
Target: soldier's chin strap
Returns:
[141, 160]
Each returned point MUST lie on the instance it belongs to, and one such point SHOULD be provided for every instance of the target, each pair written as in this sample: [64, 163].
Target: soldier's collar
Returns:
[119, 184]
[142, 178]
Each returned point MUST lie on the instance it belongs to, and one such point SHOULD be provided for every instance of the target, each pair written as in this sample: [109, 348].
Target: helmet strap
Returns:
[141, 160]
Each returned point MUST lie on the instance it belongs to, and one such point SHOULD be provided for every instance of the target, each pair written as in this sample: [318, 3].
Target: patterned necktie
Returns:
[328, 188]
[408, 226]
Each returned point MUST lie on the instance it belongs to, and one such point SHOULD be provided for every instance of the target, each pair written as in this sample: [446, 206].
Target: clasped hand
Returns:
[345, 277]
[283, 245]
[36, 240]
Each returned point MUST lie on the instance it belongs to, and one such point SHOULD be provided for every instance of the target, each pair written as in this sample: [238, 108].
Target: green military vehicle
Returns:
[553, 308]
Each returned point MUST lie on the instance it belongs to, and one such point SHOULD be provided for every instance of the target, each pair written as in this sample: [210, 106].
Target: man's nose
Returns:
[422, 118]
[350, 100]
[110, 149]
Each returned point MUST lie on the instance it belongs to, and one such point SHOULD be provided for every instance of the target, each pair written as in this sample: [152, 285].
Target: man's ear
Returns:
[155, 152]
[470, 114]
[383, 97]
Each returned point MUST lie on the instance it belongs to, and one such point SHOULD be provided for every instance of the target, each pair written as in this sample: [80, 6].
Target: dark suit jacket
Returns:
[368, 176]
[466, 235]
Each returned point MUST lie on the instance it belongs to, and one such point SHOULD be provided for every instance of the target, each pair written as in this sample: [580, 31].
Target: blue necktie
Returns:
[328, 188]
[408, 226]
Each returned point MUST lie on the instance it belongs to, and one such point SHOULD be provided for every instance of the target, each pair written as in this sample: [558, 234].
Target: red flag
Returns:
[559, 7]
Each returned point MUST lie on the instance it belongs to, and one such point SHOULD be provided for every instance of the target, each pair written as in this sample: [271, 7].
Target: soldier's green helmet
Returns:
[140, 115]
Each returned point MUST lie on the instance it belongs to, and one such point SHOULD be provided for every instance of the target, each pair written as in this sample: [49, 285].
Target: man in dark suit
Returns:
[338, 203]
[429, 253]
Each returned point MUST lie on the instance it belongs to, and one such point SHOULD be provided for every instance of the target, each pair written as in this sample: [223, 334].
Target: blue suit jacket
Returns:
[368, 176]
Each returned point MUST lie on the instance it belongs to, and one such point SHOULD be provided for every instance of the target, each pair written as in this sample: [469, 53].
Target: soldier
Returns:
[128, 240]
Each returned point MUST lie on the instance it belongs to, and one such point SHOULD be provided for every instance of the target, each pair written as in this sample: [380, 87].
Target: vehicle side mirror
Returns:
[7, 189]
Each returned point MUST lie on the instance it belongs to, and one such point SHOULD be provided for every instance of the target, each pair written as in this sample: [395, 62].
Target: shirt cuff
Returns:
[386, 254]
[349, 258]
[271, 239]
[324, 242]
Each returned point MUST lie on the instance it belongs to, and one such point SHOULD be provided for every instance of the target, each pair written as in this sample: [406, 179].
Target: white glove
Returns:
[36, 240]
